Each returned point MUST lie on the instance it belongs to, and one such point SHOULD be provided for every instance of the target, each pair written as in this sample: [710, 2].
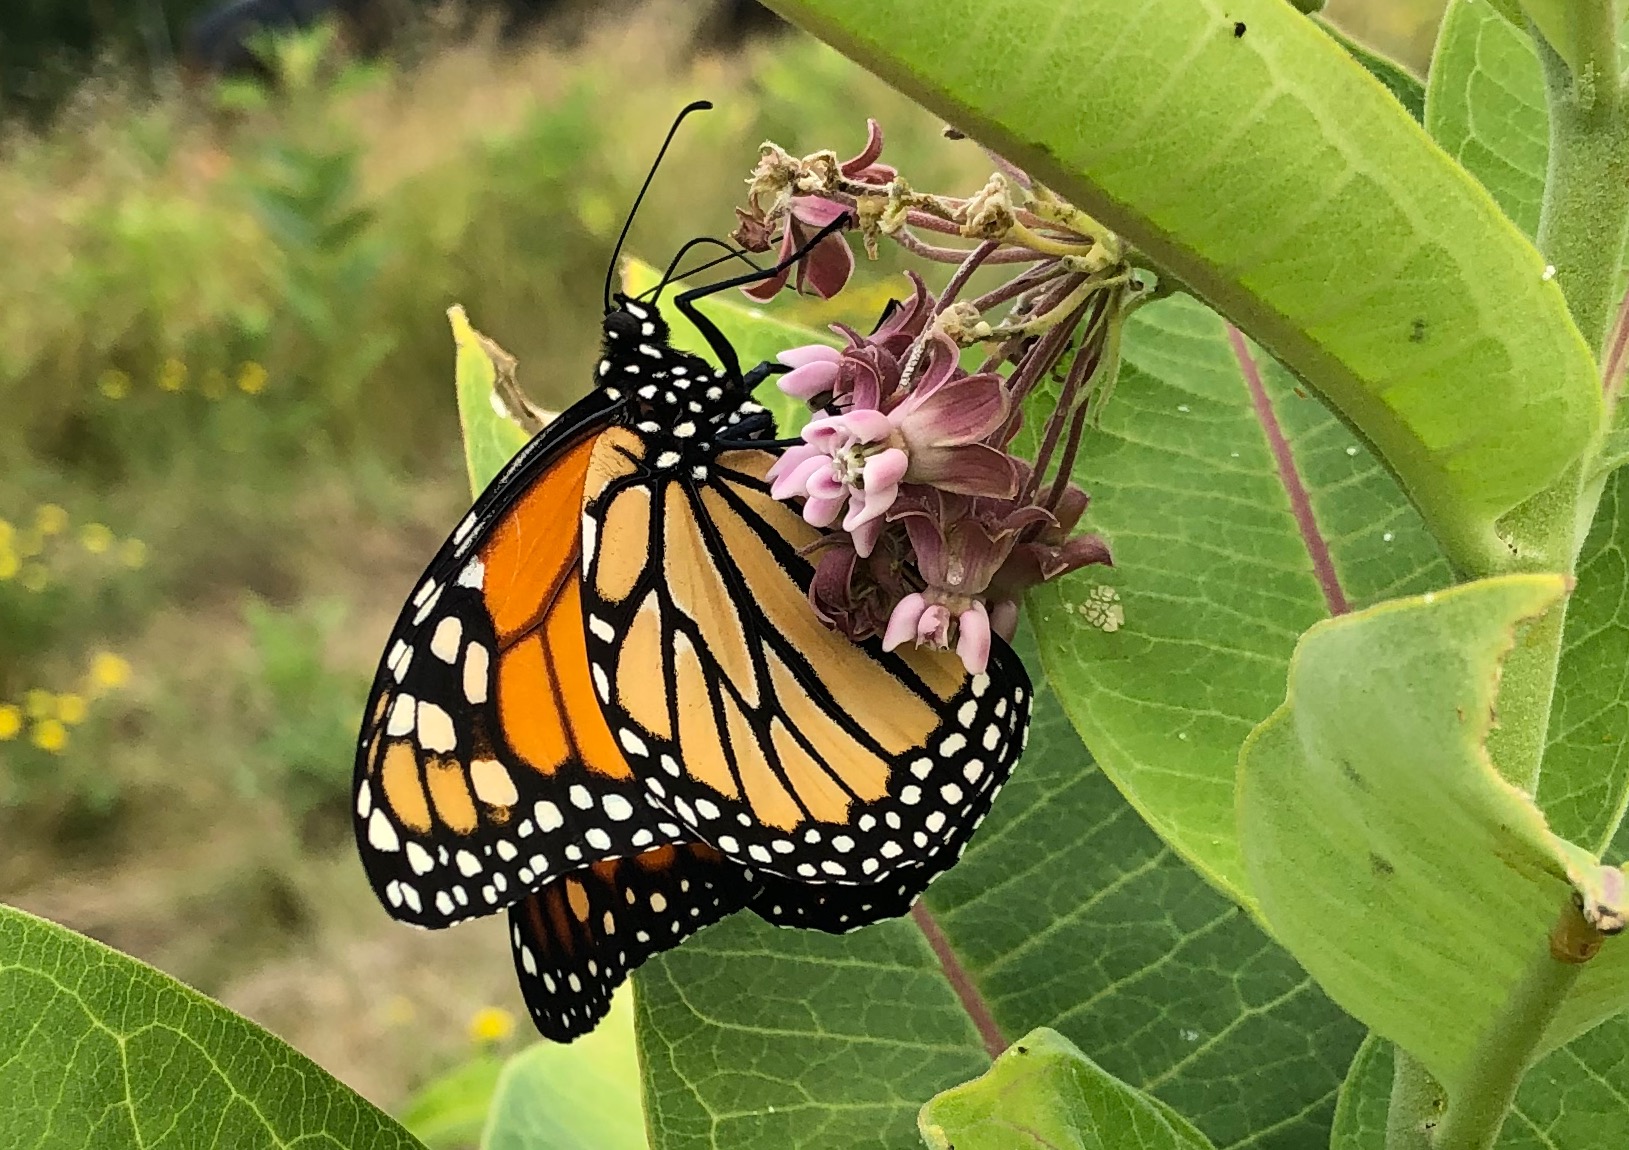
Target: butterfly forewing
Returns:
[485, 768]
[776, 740]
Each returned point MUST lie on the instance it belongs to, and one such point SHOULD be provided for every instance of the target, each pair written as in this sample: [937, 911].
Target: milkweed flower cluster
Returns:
[943, 508]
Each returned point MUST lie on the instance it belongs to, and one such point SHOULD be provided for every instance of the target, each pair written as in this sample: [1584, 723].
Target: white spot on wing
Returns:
[493, 784]
[381, 835]
[401, 715]
[426, 607]
[444, 643]
[436, 731]
[476, 665]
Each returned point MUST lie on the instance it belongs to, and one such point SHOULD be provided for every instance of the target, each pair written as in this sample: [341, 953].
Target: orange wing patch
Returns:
[533, 547]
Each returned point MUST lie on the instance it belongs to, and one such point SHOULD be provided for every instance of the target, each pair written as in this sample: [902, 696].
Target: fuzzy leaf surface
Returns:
[1389, 856]
[1247, 154]
[1044, 1092]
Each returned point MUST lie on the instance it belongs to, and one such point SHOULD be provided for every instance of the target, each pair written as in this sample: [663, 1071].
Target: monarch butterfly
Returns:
[609, 708]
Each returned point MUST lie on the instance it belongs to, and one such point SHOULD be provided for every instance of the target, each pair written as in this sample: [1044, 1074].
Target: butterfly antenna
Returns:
[685, 301]
[668, 276]
[616, 253]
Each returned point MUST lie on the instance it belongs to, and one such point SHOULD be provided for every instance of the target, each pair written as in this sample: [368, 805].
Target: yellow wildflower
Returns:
[11, 721]
[491, 1024]
[8, 563]
[133, 553]
[252, 378]
[50, 735]
[38, 704]
[34, 578]
[108, 672]
[114, 384]
[71, 709]
[95, 538]
[174, 375]
[50, 519]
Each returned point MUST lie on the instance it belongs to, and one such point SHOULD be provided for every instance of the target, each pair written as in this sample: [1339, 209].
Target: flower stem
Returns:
[943, 255]
[964, 273]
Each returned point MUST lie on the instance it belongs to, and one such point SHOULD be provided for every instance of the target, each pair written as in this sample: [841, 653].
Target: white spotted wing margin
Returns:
[786, 746]
[577, 939]
[449, 822]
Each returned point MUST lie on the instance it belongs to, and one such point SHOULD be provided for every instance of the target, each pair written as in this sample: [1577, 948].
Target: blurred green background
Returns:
[228, 443]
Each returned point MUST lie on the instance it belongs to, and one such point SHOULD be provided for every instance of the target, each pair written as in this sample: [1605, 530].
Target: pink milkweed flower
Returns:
[825, 269]
[855, 595]
[901, 324]
[864, 167]
[813, 375]
[929, 623]
[856, 461]
[942, 420]
[965, 550]
[807, 195]
[845, 461]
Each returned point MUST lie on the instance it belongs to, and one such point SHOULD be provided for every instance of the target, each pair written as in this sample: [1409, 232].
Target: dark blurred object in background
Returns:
[50, 47]
[224, 40]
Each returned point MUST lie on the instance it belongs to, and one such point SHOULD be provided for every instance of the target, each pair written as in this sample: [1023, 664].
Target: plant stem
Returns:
[1582, 226]
[1416, 1104]
[1581, 232]
[1503, 1054]
[1545, 533]
[1586, 190]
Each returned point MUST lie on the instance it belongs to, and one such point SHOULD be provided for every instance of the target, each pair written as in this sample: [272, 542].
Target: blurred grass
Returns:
[228, 442]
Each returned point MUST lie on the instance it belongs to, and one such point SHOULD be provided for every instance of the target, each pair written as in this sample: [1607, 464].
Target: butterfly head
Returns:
[663, 386]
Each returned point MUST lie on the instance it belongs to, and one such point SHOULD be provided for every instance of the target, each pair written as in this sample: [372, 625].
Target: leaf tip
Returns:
[463, 332]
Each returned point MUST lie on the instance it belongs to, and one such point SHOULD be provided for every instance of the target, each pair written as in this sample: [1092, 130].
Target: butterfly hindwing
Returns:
[576, 939]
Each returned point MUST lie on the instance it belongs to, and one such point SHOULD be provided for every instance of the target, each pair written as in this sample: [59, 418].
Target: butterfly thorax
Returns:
[679, 402]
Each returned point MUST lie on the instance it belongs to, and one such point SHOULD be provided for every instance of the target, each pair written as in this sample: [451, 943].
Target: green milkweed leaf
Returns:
[1248, 155]
[1044, 1092]
[1389, 856]
[102, 1050]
